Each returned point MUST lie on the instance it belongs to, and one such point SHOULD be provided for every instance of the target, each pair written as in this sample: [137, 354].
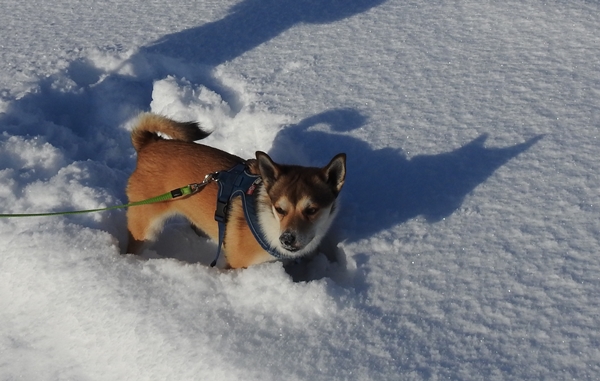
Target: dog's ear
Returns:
[269, 170]
[335, 172]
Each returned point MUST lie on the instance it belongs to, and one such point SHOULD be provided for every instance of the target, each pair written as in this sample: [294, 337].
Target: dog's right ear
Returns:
[335, 172]
[269, 170]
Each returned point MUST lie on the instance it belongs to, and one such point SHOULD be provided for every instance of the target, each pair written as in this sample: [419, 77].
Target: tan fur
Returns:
[164, 165]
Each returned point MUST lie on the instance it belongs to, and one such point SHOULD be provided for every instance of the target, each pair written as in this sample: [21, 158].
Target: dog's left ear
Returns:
[269, 170]
[335, 172]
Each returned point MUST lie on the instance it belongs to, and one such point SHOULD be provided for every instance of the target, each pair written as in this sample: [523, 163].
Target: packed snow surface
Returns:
[467, 243]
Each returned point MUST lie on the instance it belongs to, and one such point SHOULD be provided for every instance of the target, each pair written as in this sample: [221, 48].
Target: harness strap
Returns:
[238, 182]
[228, 182]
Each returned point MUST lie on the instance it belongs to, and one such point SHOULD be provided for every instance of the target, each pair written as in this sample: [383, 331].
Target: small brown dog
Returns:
[292, 206]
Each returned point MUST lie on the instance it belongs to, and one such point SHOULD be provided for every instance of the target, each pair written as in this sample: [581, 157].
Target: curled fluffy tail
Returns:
[150, 125]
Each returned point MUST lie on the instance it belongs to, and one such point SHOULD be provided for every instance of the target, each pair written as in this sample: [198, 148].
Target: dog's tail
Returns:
[150, 125]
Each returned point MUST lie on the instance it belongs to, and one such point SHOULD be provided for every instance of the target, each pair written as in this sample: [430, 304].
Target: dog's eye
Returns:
[310, 211]
[280, 211]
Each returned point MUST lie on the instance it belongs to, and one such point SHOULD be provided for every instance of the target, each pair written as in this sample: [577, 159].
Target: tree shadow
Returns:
[86, 105]
[249, 24]
[383, 188]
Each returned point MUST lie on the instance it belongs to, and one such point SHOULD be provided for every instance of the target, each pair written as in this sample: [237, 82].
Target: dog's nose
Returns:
[287, 239]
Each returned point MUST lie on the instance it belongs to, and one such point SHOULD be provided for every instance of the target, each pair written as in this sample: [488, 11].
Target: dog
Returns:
[294, 205]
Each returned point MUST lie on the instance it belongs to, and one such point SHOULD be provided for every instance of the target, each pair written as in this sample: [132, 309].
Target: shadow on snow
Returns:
[82, 107]
[383, 188]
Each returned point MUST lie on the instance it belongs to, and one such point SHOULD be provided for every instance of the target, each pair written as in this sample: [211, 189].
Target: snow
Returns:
[467, 243]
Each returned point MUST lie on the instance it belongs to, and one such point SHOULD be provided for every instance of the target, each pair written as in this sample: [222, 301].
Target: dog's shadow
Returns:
[383, 187]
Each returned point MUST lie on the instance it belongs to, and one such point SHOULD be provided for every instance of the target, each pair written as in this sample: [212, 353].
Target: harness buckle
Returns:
[221, 211]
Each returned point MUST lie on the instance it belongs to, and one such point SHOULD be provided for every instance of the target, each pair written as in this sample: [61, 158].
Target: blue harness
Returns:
[238, 182]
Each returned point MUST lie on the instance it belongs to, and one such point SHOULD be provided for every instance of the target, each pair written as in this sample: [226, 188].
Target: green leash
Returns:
[175, 193]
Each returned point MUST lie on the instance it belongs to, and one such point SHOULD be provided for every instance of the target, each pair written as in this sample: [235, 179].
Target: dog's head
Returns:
[302, 201]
